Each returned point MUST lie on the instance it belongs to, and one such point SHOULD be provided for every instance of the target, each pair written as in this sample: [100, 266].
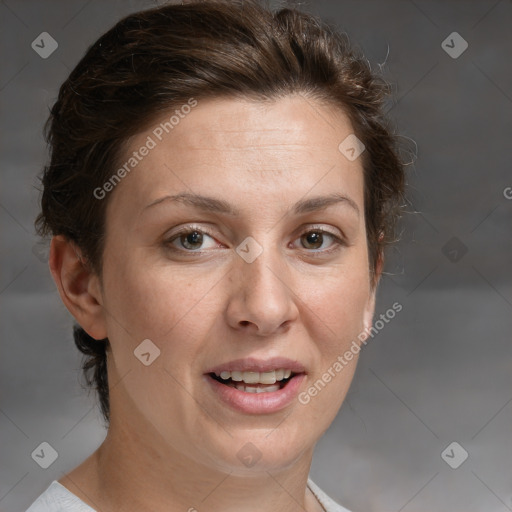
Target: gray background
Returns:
[441, 371]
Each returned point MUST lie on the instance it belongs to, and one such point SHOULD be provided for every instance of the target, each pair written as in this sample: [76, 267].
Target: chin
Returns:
[262, 451]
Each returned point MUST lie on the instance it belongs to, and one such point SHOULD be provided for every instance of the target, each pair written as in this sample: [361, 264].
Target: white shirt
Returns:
[58, 498]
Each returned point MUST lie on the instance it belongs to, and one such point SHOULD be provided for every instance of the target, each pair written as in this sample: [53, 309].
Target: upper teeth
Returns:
[256, 377]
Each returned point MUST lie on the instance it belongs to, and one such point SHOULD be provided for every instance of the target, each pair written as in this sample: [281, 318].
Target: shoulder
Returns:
[57, 498]
[328, 503]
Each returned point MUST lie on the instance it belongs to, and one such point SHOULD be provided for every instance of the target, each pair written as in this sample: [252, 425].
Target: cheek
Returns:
[336, 314]
[152, 299]
[160, 305]
[338, 302]
[157, 301]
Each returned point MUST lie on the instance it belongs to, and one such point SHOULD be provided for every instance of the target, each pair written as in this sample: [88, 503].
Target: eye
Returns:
[313, 239]
[190, 238]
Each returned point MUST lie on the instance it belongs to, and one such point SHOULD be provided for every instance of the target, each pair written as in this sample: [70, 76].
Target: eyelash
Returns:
[338, 241]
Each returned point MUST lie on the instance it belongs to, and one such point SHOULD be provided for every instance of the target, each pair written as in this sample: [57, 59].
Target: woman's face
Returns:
[280, 282]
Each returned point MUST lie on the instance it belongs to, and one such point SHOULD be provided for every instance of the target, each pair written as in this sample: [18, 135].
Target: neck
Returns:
[129, 472]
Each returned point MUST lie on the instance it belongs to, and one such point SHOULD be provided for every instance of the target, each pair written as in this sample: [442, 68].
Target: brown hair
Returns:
[155, 60]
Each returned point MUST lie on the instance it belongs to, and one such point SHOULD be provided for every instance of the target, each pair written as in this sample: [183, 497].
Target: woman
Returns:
[221, 187]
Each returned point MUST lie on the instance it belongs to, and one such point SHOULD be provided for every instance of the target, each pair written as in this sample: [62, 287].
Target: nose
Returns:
[262, 300]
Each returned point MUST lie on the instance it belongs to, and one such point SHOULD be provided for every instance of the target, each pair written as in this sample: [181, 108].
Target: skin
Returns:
[172, 445]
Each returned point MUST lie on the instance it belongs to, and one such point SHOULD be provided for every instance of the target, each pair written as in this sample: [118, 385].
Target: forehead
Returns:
[240, 149]
[259, 131]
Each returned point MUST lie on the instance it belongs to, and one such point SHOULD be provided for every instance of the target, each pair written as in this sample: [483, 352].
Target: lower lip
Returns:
[257, 403]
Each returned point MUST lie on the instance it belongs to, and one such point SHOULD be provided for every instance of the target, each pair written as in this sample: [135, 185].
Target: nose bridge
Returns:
[260, 262]
[261, 293]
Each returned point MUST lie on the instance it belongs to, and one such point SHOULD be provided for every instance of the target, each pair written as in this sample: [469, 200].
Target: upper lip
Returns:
[251, 364]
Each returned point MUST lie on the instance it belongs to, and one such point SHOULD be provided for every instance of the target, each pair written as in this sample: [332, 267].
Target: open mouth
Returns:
[254, 387]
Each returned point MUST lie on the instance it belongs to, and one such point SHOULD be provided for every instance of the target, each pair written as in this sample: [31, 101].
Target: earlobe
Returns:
[369, 311]
[370, 307]
[379, 267]
[78, 286]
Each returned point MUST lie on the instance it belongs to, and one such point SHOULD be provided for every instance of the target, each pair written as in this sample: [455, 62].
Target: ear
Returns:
[370, 306]
[78, 286]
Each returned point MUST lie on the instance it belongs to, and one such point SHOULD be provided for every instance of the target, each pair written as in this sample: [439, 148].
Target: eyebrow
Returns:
[211, 204]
